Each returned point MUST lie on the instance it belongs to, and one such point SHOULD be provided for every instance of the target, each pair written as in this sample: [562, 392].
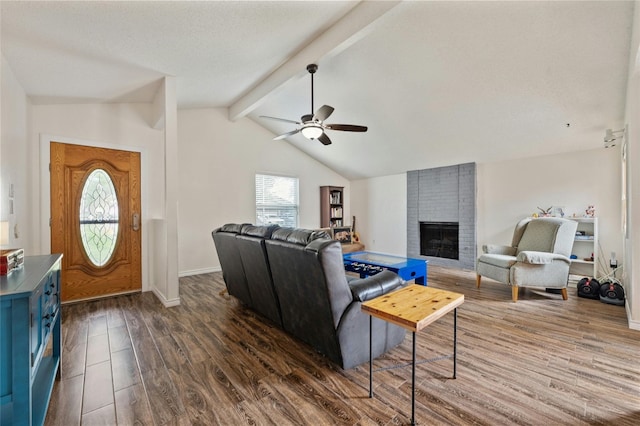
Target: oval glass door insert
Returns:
[99, 217]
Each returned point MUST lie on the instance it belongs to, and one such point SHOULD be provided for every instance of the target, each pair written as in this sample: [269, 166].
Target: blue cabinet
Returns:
[30, 339]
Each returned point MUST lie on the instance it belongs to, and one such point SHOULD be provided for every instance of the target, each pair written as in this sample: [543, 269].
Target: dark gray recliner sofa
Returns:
[231, 262]
[311, 294]
[243, 244]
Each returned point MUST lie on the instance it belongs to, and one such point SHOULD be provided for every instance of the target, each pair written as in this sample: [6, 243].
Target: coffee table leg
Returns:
[413, 382]
[455, 340]
[370, 357]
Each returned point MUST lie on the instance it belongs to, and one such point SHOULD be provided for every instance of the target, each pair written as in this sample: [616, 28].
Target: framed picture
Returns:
[342, 234]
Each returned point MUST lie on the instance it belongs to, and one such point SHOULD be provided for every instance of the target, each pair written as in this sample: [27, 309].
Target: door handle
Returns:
[136, 221]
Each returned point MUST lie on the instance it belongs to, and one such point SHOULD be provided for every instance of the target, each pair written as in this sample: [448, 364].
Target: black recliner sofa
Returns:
[296, 278]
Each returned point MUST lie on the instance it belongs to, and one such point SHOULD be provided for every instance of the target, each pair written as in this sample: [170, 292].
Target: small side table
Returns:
[413, 307]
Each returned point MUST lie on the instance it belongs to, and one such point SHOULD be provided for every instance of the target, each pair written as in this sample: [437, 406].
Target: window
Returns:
[99, 217]
[276, 200]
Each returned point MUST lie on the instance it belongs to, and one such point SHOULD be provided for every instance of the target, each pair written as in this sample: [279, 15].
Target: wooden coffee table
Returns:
[413, 307]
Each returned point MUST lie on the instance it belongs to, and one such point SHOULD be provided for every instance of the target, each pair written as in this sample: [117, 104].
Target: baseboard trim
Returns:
[199, 271]
[633, 325]
[168, 303]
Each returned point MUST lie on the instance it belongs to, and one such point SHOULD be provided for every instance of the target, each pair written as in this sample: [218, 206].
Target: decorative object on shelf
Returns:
[342, 234]
[590, 211]
[355, 237]
[557, 211]
[10, 260]
[545, 212]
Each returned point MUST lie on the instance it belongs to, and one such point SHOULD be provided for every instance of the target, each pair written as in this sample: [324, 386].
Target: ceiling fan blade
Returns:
[324, 139]
[286, 135]
[280, 119]
[346, 127]
[323, 113]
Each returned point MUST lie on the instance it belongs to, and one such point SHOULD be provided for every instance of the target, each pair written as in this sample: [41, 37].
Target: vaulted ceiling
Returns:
[437, 83]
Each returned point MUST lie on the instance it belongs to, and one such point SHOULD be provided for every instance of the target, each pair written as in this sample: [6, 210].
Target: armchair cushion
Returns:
[499, 260]
[540, 235]
[540, 258]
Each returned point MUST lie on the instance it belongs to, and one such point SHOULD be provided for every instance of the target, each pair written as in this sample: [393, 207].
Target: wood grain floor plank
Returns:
[97, 325]
[196, 399]
[74, 346]
[105, 416]
[164, 399]
[194, 350]
[65, 406]
[143, 343]
[171, 352]
[98, 387]
[211, 361]
[115, 317]
[218, 384]
[132, 406]
[119, 338]
[124, 369]
[97, 348]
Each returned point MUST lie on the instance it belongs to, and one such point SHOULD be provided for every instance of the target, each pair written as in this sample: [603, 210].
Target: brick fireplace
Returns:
[441, 215]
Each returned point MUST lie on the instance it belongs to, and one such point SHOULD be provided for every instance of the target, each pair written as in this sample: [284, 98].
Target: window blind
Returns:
[276, 200]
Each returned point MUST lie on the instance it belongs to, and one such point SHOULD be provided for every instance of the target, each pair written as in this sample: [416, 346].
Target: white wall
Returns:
[118, 126]
[511, 190]
[507, 192]
[218, 160]
[14, 157]
[631, 273]
[380, 207]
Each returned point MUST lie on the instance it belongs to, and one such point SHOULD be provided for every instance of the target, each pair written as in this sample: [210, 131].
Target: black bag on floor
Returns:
[612, 293]
[589, 288]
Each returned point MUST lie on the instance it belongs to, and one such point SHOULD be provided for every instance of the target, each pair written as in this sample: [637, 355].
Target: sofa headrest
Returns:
[298, 236]
[232, 228]
[259, 231]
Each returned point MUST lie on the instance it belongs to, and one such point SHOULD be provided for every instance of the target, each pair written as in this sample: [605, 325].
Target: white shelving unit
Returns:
[585, 246]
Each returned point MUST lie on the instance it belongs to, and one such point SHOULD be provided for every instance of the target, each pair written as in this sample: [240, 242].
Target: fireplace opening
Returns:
[439, 239]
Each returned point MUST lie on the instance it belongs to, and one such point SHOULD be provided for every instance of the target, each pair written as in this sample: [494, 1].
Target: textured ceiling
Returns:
[438, 83]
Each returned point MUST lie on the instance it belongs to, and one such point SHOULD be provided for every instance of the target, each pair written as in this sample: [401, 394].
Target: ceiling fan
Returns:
[312, 126]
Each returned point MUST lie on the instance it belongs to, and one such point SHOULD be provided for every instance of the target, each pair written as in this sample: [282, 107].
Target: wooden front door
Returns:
[95, 220]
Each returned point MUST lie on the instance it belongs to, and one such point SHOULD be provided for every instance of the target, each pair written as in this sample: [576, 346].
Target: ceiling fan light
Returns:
[312, 132]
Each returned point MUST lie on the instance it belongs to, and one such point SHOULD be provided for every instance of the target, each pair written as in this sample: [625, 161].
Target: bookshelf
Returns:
[584, 245]
[331, 206]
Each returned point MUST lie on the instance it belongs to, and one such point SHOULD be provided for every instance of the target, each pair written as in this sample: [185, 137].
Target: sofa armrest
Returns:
[497, 249]
[374, 286]
[540, 257]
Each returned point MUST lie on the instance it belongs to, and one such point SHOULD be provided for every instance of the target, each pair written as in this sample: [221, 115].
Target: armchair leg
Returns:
[514, 293]
[478, 279]
[565, 296]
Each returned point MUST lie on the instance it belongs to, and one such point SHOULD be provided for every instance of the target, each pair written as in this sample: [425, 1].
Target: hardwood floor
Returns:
[541, 361]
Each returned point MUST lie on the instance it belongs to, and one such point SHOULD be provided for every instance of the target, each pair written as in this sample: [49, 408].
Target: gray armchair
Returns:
[538, 256]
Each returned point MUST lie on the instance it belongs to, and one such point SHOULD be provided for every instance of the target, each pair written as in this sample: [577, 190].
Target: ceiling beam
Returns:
[353, 26]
